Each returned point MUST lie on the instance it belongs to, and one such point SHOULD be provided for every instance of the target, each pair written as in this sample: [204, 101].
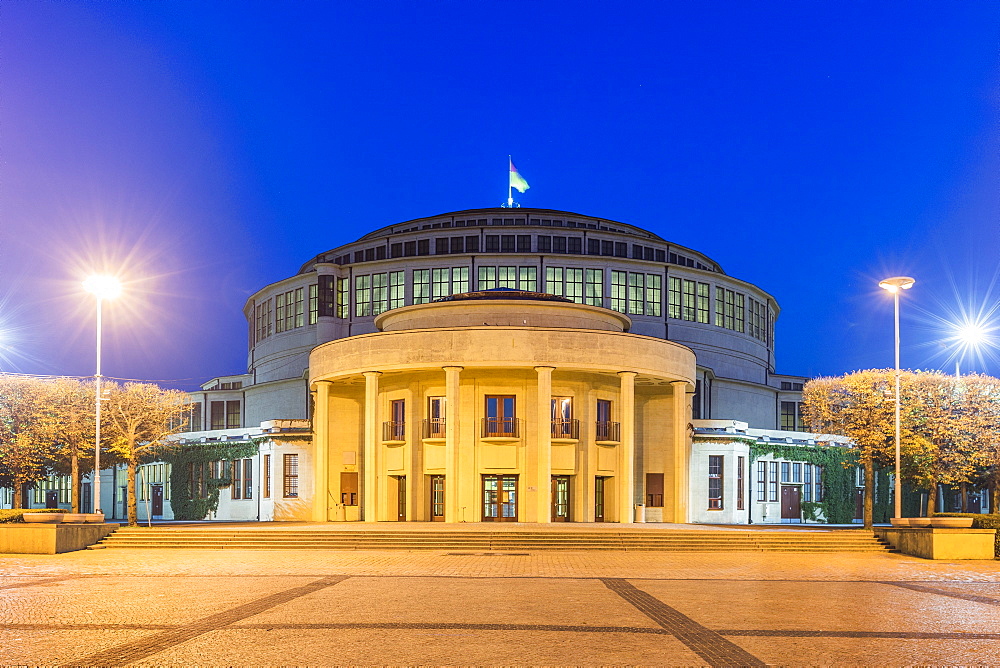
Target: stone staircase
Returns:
[624, 540]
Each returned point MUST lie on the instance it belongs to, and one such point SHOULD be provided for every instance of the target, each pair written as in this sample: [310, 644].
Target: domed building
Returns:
[503, 365]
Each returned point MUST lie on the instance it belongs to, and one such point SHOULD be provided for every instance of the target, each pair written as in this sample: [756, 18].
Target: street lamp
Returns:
[895, 285]
[969, 336]
[102, 287]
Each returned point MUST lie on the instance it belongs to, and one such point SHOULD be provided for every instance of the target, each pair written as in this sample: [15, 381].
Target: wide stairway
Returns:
[623, 540]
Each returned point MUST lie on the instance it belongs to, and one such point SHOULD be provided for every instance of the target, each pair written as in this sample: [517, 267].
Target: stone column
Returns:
[321, 452]
[369, 490]
[543, 444]
[451, 442]
[682, 451]
[625, 484]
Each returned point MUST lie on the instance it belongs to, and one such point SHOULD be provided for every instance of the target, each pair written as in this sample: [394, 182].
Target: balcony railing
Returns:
[500, 427]
[434, 428]
[562, 428]
[393, 431]
[609, 431]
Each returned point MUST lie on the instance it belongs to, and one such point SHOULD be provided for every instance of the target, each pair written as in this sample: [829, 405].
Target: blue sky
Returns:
[206, 149]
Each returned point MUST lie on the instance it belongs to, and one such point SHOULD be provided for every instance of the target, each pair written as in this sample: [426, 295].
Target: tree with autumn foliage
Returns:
[27, 427]
[73, 438]
[860, 406]
[140, 418]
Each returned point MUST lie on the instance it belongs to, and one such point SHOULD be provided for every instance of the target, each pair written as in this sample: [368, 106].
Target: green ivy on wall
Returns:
[182, 500]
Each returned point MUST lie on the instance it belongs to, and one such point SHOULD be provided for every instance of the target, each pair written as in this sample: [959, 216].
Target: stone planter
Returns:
[40, 518]
[94, 518]
[900, 521]
[951, 522]
[920, 522]
[75, 518]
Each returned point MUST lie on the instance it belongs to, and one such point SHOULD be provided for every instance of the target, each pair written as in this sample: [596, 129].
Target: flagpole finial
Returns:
[515, 182]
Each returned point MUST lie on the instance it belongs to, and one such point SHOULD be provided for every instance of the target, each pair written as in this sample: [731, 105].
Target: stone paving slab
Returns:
[54, 647]
[873, 652]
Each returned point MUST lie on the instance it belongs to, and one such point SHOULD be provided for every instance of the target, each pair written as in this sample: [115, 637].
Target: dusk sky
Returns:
[202, 150]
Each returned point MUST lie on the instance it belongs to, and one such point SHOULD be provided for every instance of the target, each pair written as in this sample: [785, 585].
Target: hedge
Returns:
[980, 521]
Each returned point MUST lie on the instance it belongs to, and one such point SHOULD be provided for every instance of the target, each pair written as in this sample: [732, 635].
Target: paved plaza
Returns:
[314, 607]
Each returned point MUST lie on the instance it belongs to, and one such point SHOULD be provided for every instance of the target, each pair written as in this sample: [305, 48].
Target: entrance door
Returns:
[599, 498]
[499, 498]
[437, 498]
[859, 504]
[86, 497]
[560, 498]
[400, 498]
[791, 508]
[51, 499]
[157, 499]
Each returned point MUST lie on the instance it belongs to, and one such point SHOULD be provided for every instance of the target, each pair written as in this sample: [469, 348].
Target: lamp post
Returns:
[895, 285]
[969, 336]
[102, 287]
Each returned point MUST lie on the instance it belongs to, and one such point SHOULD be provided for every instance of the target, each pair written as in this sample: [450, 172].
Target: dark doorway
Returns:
[599, 498]
[791, 507]
[859, 504]
[157, 494]
[400, 497]
[437, 498]
[560, 498]
[499, 498]
[51, 498]
[86, 498]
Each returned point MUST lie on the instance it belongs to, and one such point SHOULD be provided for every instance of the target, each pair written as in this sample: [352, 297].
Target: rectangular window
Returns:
[673, 297]
[507, 277]
[343, 298]
[785, 477]
[380, 293]
[574, 285]
[435, 418]
[654, 294]
[472, 244]
[279, 312]
[194, 423]
[818, 484]
[654, 490]
[689, 310]
[421, 286]
[237, 488]
[327, 296]
[265, 477]
[440, 282]
[299, 307]
[761, 481]
[703, 303]
[396, 429]
[807, 487]
[290, 477]
[554, 280]
[313, 303]
[618, 291]
[715, 482]
[233, 415]
[218, 415]
[636, 290]
[349, 488]
[528, 278]
[487, 278]
[500, 418]
[492, 243]
[787, 416]
[362, 296]
[797, 472]
[730, 305]
[595, 287]
[740, 465]
[772, 481]
[562, 418]
[720, 307]
[397, 289]
[740, 318]
[247, 478]
[289, 310]
[459, 280]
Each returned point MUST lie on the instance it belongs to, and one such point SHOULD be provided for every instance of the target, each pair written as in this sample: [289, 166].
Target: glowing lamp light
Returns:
[897, 283]
[103, 287]
[971, 334]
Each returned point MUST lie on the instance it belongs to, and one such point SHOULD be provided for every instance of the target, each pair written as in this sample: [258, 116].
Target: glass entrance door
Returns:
[437, 498]
[499, 498]
[560, 498]
[599, 498]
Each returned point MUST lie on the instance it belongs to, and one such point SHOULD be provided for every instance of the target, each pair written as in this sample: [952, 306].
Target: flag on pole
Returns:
[517, 181]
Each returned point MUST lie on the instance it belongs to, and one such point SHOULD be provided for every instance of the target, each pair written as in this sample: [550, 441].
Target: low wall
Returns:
[50, 538]
[931, 543]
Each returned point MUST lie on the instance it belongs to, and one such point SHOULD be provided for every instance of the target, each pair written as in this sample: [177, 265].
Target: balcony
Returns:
[609, 431]
[393, 431]
[566, 429]
[434, 428]
[506, 427]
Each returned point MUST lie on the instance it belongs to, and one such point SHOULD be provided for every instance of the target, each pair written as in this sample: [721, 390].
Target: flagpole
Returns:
[510, 188]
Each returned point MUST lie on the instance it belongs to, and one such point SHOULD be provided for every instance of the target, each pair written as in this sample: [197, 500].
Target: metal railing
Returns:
[563, 428]
[393, 431]
[434, 428]
[609, 431]
[501, 427]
